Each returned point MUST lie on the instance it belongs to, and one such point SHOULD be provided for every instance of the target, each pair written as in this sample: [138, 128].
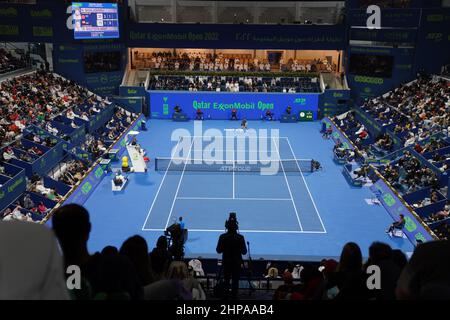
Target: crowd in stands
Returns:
[10, 63]
[407, 174]
[98, 143]
[416, 110]
[235, 84]
[314, 65]
[43, 99]
[35, 98]
[199, 61]
[133, 272]
[418, 115]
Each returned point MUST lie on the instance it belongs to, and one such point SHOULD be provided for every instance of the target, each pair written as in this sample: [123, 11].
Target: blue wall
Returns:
[219, 105]
[364, 87]
[13, 188]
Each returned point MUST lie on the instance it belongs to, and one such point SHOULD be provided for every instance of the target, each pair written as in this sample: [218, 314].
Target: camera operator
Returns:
[232, 246]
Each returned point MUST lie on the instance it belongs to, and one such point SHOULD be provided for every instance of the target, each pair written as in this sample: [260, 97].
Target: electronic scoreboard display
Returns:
[95, 20]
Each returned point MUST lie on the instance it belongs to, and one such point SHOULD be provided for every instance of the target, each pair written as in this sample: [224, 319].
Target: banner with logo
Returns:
[218, 105]
[237, 36]
[414, 230]
[333, 102]
[12, 189]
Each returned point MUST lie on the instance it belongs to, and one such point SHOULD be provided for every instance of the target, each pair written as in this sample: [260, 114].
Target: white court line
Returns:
[243, 231]
[159, 188]
[289, 188]
[178, 187]
[249, 199]
[234, 179]
[307, 188]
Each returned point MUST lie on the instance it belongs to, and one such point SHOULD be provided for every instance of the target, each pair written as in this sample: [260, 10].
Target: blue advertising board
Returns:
[414, 230]
[237, 36]
[369, 87]
[217, 105]
[13, 188]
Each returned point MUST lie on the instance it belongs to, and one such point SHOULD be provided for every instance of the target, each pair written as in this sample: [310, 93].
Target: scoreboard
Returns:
[95, 20]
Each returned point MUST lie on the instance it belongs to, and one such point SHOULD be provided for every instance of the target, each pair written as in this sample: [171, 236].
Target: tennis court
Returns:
[266, 201]
[293, 214]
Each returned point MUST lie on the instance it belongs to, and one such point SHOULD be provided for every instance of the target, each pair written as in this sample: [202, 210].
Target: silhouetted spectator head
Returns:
[136, 249]
[351, 258]
[162, 243]
[72, 227]
[379, 251]
[110, 251]
[427, 274]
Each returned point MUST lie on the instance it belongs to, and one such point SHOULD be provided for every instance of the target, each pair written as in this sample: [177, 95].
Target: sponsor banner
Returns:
[413, 229]
[238, 36]
[219, 105]
[12, 189]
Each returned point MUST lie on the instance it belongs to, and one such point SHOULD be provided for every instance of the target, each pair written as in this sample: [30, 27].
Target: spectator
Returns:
[160, 258]
[31, 269]
[349, 277]
[427, 274]
[135, 248]
[179, 271]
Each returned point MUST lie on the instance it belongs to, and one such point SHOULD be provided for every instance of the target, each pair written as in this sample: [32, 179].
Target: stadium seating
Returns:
[9, 63]
[52, 131]
[234, 83]
[418, 115]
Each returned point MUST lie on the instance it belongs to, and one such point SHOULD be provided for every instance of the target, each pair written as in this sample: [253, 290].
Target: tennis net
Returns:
[209, 165]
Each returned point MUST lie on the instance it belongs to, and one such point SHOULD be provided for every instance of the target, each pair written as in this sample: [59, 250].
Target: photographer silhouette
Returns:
[232, 246]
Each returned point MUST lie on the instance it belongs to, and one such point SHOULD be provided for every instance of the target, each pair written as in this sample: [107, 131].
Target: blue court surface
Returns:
[288, 214]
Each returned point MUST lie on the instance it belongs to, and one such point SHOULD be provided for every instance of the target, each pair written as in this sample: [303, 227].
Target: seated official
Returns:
[199, 114]
[269, 115]
[234, 114]
[361, 172]
[119, 179]
[177, 109]
[397, 225]
[288, 110]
